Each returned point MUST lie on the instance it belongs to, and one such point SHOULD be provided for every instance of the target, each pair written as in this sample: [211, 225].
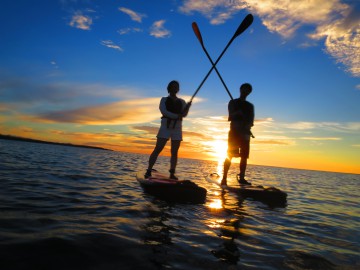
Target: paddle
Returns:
[198, 35]
[242, 27]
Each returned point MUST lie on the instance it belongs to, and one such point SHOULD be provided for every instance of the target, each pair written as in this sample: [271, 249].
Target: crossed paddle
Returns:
[242, 27]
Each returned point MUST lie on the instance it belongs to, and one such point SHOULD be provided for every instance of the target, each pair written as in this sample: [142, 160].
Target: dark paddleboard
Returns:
[179, 191]
[268, 195]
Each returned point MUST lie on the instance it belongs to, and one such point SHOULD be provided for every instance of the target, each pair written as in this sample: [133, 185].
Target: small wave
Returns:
[301, 260]
[87, 251]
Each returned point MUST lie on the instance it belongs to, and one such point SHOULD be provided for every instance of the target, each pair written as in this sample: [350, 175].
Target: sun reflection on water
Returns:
[216, 204]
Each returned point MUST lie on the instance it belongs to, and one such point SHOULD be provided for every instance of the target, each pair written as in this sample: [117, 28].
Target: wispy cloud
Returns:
[135, 16]
[116, 113]
[342, 39]
[273, 141]
[147, 129]
[25, 92]
[124, 31]
[112, 45]
[158, 30]
[336, 22]
[321, 138]
[54, 64]
[329, 126]
[217, 11]
[81, 21]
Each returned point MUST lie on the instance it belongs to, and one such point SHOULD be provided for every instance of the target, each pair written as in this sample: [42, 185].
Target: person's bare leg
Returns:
[160, 144]
[227, 164]
[243, 165]
[175, 145]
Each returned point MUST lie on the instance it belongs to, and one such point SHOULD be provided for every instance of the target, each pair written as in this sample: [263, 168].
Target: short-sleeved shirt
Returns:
[240, 125]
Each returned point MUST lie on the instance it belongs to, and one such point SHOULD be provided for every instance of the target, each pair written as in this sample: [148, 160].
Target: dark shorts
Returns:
[238, 141]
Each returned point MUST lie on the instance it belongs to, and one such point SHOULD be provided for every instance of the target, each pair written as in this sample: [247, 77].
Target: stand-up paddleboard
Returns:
[180, 191]
[268, 195]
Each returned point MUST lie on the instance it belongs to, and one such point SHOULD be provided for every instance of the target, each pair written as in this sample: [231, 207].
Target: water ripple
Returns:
[73, 208]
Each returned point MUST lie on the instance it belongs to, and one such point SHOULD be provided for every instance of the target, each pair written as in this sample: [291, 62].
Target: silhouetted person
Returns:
[173, 109]
[241, 117]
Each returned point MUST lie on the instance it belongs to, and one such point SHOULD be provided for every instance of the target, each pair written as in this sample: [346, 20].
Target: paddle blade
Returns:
[244, 25]
[197, 32]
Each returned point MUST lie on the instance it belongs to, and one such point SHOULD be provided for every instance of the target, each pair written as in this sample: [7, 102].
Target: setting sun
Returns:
[219, 149]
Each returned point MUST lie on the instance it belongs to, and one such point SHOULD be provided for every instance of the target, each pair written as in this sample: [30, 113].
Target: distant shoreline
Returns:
[15, 138]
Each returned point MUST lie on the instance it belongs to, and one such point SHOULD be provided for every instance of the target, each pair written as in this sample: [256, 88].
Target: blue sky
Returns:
[93, 72]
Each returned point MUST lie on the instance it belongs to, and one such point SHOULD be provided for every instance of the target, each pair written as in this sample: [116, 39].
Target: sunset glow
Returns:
[93, 73]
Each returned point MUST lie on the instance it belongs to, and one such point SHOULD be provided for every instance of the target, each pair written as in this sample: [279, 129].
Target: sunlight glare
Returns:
[216, 204]
[220, 149]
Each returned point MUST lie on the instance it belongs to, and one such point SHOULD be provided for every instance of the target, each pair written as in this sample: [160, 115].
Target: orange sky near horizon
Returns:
[209, 144]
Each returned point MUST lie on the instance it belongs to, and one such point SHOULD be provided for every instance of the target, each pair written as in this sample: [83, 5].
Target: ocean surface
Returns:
[64, 207]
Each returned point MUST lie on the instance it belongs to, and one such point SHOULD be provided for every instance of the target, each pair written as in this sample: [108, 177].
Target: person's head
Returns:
[245, 89]
[173, 87]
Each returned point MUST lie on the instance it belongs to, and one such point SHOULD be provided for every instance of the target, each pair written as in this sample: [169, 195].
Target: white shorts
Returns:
[174, 133]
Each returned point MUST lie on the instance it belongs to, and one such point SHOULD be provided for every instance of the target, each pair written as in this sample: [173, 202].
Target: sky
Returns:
[92, 72]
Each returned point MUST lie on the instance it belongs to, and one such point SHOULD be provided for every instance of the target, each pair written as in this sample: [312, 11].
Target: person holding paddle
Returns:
[173, 109]
[241, 117]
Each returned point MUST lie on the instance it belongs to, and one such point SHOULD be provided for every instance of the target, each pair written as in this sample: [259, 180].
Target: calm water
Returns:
[75, 208]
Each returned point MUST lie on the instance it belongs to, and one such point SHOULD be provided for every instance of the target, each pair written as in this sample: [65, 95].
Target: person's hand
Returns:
[180, 116]
[186, 110]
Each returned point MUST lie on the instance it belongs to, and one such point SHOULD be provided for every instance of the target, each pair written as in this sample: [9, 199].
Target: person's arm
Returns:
[186, 108]
[165, 112]
[252, 115]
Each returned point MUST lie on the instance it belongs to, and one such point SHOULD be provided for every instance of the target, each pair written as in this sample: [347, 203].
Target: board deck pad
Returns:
[269, 195]
[162, 187]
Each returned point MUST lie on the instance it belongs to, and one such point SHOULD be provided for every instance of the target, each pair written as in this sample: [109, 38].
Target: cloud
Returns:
[301, 125]
[111, 44]
[217, 11]
[117, 113]
[321, 138]
[146, 129]
[269, 131]
[329, 126]
[335, 22]
[273, 142]
[133, 15]
[285, 16]
[125, 112]
[342, 39]
[81, 21]
[53, 63]
[26, 92]
[124, 31]
[5, 107]
[158, 30]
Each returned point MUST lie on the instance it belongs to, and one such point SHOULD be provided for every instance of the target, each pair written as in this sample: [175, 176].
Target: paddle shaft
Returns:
[198, 35]
[243, 26]
[214, 65]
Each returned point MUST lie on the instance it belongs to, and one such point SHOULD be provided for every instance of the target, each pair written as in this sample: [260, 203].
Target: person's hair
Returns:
[247, 87]
[172, 83]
